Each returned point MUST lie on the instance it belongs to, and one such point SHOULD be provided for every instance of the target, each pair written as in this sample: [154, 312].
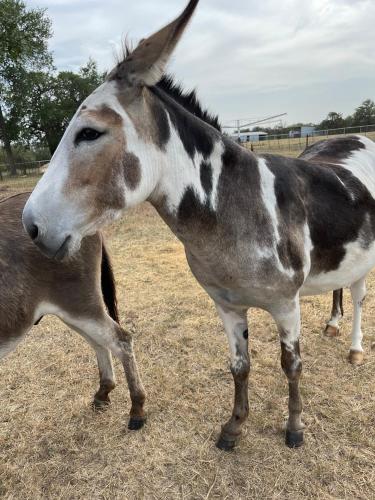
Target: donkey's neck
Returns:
[199, 160]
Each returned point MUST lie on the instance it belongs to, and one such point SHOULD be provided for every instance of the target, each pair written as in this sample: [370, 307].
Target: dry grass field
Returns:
[54, 446]
[14, 185]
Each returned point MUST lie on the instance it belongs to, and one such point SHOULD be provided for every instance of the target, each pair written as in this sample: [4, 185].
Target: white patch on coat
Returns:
[177, 171]
[357, 263]
[358, 292]
[287, 317]
[334, 320]
[267, 184]
[308, 247]
[235, 324]
[362, 164]
[216, 163]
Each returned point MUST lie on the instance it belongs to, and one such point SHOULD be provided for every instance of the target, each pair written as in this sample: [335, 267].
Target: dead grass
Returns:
[54, 446]
[13, 185]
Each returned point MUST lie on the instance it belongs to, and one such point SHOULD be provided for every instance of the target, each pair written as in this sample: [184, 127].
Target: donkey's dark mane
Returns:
[188, 100]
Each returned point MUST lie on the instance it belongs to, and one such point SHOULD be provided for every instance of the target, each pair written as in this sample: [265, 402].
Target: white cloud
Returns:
[246, 58]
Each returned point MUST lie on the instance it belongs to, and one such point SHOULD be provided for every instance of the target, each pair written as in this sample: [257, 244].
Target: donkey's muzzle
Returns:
[54, 247]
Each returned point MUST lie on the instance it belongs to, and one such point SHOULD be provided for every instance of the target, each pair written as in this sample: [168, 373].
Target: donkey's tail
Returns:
[108, 285]
[342, 302]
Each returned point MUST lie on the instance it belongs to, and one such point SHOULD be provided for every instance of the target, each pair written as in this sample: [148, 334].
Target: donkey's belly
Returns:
[357, 263]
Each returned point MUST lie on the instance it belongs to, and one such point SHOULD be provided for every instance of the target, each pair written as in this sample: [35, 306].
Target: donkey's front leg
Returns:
[235, 324]
[287, 317]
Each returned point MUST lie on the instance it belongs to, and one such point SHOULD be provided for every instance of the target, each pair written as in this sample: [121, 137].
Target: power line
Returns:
[238, 126]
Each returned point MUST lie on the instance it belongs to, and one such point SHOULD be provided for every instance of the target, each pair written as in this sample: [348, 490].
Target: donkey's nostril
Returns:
[33, 231]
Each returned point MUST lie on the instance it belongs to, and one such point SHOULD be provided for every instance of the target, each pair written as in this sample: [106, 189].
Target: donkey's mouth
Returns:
[63, 250]
[50, 250]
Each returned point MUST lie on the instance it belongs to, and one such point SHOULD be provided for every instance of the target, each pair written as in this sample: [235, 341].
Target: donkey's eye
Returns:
[87, 134]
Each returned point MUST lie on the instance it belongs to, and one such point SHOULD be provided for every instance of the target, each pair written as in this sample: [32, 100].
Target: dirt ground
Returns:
[54, 446]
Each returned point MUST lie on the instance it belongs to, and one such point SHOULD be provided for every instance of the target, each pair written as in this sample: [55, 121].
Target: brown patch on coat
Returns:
[105, 115]
[132, 170]
[147, 115]
[100, 175]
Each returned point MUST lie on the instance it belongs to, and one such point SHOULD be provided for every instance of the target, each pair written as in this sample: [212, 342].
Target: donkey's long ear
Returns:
[146, 64]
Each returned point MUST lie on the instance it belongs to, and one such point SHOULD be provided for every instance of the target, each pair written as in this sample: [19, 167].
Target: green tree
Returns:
[333, 120]
[364, 114]
[52, 101]
[24, 34]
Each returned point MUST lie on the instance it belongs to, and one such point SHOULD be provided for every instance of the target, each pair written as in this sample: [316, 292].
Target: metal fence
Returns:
[293, 146]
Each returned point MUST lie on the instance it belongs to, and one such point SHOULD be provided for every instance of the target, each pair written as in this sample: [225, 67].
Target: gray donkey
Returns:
[258, 231]
[81, 292]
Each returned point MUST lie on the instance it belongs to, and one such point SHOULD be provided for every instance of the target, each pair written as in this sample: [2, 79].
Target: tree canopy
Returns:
[24, 35]
[51, 101]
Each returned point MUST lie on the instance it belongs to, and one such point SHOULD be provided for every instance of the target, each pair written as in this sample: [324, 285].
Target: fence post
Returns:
[307, 140]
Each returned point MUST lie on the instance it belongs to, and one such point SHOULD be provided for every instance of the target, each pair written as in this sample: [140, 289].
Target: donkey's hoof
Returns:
[101, 404]
[136, 423]
[225, 444]
[331, 331]
[293, 439]
[355, 357]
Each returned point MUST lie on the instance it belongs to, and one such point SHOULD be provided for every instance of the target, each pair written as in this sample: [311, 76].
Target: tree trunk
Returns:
[7, 145]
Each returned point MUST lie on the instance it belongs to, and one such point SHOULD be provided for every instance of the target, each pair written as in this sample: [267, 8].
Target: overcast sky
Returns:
[247, 58]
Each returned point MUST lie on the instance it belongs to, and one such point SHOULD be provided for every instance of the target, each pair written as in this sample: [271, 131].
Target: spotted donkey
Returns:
[258, 231]
[77, 291]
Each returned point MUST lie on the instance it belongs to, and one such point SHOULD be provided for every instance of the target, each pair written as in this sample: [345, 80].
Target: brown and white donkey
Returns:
[258, 231]
[81, 292]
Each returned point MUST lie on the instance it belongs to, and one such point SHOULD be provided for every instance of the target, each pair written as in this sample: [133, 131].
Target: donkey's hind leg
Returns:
[287, 317]
[107, 378]
[358, 292]
[106, 333]
[332, 328]
[235, 324]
